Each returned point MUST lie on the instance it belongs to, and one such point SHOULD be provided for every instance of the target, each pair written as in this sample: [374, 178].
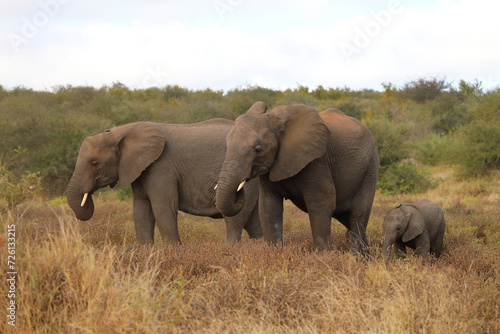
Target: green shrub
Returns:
[321, 93]
[469, 90]
[350, 109]
[424, 89]
[299, 95]
[16, 187]
[254, 94]
[238, 103]
[450, 113]
[56, 159]
[52, 125]
[123, 193]
[433, 149]
[488, 108]
[405, 177]
[477, 148]
[174, 92]
[390, 140]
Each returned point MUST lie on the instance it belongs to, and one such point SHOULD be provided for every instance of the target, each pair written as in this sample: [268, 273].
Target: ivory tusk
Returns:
[241, 185]
[215, 188]
[84, 199]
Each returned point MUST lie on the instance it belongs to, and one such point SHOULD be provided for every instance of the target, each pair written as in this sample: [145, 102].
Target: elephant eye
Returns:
[94, 163]
[258, 149]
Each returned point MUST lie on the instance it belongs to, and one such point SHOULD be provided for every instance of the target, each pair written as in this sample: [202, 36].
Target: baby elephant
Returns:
[419, 225]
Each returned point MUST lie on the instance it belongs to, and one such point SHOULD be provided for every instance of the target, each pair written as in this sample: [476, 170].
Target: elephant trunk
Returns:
[74, 194]
[230, 197]
[388, 242]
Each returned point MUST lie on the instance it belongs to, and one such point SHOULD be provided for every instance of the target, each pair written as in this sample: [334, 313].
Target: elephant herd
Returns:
[326, 163]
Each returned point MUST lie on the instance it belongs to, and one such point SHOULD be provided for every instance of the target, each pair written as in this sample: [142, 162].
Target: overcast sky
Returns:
[226, 44]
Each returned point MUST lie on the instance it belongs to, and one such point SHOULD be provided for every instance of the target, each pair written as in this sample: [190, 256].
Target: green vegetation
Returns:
[93, 277]
[427, 120]
[15, 188]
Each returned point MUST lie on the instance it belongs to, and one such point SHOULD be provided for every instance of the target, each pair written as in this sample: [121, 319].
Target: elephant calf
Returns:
[419, 225]
[171, 167]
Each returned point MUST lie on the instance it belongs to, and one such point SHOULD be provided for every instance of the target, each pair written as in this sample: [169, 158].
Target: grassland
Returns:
[92, 277]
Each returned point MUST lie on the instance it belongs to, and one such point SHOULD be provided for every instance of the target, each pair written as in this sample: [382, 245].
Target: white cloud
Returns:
[275, 44]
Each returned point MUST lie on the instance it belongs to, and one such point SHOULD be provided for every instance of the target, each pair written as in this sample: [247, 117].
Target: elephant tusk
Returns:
[84, 199]
[241, 185]
[215, 188]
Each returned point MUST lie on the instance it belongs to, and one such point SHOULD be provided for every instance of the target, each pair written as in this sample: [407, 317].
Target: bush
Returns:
[256, 93]
[123, 192]
[389, 141]
[51, 125]
[321, 93]
[450, 113]
[174, 92]
[16, 187]
[351, 109]
[433, 149]
[423, 89]
[469, 90]
[55, 158]
[299, 95]
[488, 108]
[477, 148]
[404, 177]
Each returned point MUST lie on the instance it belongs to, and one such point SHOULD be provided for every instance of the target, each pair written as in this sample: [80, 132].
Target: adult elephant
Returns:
[171, 167]
[326, 163]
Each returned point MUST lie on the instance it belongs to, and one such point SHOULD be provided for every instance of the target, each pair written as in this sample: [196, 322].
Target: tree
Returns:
[423, 90]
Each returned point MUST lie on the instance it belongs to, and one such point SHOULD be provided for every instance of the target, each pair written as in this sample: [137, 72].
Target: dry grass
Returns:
[92, 277]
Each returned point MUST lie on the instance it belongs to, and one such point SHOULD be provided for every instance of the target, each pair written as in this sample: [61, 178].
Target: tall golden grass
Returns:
[92, 277]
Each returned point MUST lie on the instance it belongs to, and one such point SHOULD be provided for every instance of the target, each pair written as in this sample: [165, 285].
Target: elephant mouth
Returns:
[90, 193]
[258, 170]
[85, 197]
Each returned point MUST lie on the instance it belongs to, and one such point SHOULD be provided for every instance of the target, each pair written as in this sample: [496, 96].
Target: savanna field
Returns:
[434, 140]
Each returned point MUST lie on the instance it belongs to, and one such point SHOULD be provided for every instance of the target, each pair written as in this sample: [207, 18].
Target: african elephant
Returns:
[326, 163]
[171, 167]
[419, 225]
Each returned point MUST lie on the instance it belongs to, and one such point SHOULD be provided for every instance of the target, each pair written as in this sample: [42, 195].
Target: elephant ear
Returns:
[258, 107]
[139, 145]
[303, 137]
[416, 225]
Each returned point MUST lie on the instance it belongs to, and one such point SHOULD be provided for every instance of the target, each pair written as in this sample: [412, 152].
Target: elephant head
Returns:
[279, 143]
[120, 153]
[401, 223]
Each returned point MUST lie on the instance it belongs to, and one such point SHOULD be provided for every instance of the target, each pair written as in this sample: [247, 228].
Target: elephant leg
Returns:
[167, 224]
[144, 219]
[357, 234]
[356, 222]
[400, 249]
[321, 227]
[253, 226]
[319, 198]
[165, 209]
[359, 215]
[423, 245]
[436, 250]
[437, 245]
[270, 212]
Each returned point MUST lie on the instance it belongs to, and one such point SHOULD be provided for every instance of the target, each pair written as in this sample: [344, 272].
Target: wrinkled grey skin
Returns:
[171, 167]
[326, 163]
[419, 225]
